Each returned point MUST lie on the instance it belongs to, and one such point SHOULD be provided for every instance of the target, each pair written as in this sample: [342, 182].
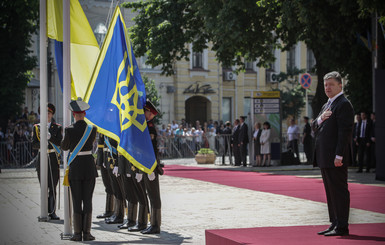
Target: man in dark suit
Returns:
[243, 140]
[54, 140]
[333, 153]
[235, 143]
[307, 140]
[226, 133]
[355, 134]
[363, 142]
[82, 170]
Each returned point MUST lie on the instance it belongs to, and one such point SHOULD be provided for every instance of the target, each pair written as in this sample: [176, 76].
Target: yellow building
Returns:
[201, 89]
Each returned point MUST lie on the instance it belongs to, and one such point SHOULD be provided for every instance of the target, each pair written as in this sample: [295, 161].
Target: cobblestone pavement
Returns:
[189, 207]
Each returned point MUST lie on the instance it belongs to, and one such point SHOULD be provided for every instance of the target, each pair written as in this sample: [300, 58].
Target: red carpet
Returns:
[371, 198]
[359, 234]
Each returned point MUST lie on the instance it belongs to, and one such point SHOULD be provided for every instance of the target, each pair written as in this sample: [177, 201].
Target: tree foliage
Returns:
[17, 24]
[292, 94]
[152, 95]
[249, 30]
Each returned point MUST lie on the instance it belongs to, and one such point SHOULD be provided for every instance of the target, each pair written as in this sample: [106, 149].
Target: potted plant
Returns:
[205, 155]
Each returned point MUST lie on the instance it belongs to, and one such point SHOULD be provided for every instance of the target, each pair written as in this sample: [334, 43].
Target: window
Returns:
[290, 60]
[226, 109]
[310, 60]
[246, 106]
[249, 65]
[143, 64]
[197, 60]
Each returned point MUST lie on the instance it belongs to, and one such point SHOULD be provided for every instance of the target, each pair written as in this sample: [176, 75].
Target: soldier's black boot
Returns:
[77, 220]
[51, 208]
[154, 228]
[109, 207]
[142, 220]
[87, 218]
[132, 211]
[118, 215]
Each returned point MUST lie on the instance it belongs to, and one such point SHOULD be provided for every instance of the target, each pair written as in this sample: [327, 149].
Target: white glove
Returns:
[138, 177]
[115, 171]
[151, 176]
[48, 136]
[104, 165]
[128, 175]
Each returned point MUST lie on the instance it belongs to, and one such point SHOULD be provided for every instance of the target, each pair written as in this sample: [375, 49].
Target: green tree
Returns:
[152, 95]
[18, 23]
[292, 94]
[249, 30]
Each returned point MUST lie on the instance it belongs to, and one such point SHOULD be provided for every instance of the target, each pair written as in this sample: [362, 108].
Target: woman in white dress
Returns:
[265, 143]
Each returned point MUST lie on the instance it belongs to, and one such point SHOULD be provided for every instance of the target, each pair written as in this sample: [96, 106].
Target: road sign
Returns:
[305, 80]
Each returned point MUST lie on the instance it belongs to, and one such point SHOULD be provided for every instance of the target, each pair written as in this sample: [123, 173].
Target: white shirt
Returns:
[293, 132]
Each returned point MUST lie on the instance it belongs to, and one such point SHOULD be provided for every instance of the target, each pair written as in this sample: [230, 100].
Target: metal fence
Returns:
[188, 146]
[17, 154]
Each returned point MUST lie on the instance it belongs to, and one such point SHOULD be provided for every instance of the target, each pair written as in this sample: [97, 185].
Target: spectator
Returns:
[2, 136]
[373, 141]
[307, 141]
[243, 140]
[235, 143]
[198, 138]
[257, 143]
[174, 126]
[226, 132]
[211, 138]
[265, 144]
[355, 137]
[363, 141]
[293, 136]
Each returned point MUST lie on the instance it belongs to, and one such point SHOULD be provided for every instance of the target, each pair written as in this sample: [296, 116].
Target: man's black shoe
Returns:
[53, 216]
[137, 227]
[338, 232]
[327, 230]
[153, 229]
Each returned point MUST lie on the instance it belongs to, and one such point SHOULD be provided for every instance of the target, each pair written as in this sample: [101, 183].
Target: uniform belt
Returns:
[105, 149]
[50, 151]
[83, 153]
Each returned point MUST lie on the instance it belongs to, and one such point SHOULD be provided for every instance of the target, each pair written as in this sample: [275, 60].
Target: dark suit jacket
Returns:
[243, 134]
[368, 131]
[334, 135]
[82, 167]
[235, 136]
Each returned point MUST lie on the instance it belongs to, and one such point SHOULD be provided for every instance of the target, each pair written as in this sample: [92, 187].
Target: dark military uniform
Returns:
[53, 162]
[116, 184]
[152, 186]
[102, 162]
[140, 196]
[82, 174]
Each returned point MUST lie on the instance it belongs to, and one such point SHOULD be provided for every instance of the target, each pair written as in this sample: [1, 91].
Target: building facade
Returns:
[201, 89]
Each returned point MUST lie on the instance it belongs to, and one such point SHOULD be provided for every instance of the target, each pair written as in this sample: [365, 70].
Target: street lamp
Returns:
[100, 32]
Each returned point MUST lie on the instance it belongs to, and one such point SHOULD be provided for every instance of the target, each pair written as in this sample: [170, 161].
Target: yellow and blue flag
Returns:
[84, 47]
[116, 95]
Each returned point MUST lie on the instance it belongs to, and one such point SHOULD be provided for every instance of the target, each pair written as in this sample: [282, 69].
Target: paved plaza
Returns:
[189, 207]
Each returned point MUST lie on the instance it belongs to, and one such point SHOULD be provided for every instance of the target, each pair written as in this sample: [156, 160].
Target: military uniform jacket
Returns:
[101, 157]
[334, 135]
[82, 167]
[56, 136]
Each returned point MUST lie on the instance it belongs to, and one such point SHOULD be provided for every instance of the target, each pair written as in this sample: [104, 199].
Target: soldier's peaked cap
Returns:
[79, 105]
[51, 108]
[150, 107]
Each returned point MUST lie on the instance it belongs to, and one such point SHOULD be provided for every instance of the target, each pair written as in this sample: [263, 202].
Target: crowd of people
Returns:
[17, 131]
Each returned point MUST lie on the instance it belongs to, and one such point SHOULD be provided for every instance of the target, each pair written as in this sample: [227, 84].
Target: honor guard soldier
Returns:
[102, 162]
[116, 182]
[151, 181]
[140, 193]
[54, 135]
[129, 189]
[79, 138]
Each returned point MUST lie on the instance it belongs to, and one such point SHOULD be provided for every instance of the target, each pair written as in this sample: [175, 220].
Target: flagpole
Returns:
[66, 112]
[43, 114]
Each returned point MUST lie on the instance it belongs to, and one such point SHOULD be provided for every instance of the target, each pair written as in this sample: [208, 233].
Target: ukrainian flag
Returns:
[84, 47]
[116, 95]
